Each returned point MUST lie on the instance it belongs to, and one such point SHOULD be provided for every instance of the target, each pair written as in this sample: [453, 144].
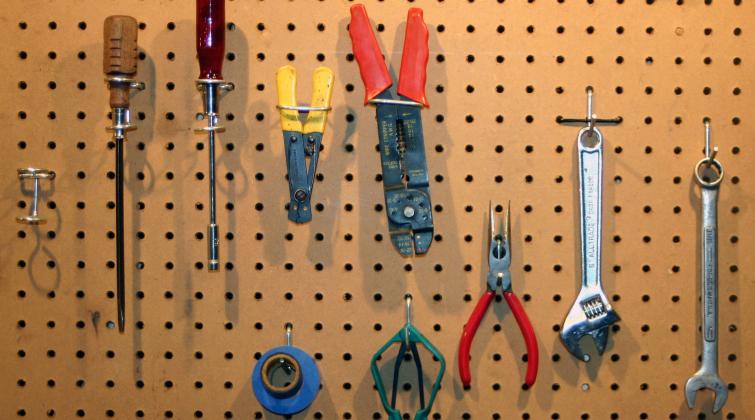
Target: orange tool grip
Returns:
[533, 357]
[413, 73]
[467, 335]
[367, 52]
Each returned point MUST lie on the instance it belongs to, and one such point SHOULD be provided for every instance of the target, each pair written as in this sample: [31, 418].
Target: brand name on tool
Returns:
[710, 284]
[591, 247]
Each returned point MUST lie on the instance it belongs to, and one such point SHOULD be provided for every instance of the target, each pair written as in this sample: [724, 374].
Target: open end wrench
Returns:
[591, 314]
[709, 174]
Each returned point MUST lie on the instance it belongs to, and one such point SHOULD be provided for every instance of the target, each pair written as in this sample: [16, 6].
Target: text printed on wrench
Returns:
[709, 284]
[591, 205]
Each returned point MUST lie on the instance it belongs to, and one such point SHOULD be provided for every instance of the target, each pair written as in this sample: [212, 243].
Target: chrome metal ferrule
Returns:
[213, 252]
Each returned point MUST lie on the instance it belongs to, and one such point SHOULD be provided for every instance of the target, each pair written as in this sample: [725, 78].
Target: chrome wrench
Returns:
[591, 314]
[709, 173]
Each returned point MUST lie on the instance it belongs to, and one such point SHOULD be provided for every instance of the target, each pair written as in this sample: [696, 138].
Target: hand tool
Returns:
[36, 174]
[285, 379]
[408, 337]
[591, 314]
[402, 150]
[211, 52]
[499, 277]
[300, 179]
[709, 173]
[119, 64]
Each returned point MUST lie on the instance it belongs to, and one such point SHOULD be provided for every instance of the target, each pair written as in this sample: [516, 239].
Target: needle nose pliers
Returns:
[499, 276]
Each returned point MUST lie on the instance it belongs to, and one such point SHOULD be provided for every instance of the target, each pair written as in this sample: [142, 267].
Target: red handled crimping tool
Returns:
[402, 148]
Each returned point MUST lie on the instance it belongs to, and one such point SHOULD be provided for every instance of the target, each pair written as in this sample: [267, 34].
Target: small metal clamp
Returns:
[36, 174]
[286, 380]
[120, 81]
[591, 119]
[304, 108]
[377, 101]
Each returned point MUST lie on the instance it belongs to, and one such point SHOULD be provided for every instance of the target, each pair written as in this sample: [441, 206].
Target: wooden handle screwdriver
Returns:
[119, 64]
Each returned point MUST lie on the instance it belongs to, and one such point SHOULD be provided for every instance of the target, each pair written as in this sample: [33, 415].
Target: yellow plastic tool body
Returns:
[322, 92]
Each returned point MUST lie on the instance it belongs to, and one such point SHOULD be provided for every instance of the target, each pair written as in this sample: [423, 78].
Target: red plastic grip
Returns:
[533, 356]
[367, 52]
[467, 335]
[413, 73]
[211, 38]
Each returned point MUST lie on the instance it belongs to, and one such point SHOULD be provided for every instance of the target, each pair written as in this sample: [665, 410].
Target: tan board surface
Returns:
[199, 332]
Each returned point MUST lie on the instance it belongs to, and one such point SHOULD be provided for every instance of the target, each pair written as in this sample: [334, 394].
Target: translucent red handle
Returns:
[367, 52]
[211, 38]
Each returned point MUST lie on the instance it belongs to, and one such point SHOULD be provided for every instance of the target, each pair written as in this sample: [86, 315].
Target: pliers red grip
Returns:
[413, 72]
[499, 276]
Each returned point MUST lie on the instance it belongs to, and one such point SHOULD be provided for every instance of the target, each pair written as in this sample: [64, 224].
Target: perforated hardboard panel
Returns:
[499, 74]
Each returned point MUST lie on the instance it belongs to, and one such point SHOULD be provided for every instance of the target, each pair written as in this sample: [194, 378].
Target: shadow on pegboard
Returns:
[235, 142]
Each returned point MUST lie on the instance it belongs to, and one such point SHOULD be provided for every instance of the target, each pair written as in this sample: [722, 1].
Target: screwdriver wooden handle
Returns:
[120, 55]
[211, 38]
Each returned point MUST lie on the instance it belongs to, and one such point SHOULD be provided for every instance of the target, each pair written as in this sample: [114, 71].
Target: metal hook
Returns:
[591, 119]
[708, 155]
[590, 116]
[408, 302]
[289, 328]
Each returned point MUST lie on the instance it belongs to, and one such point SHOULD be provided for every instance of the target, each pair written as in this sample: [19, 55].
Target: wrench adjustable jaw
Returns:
[590, 315]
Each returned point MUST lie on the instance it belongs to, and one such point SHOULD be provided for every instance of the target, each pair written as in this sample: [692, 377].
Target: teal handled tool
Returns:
[408, 337]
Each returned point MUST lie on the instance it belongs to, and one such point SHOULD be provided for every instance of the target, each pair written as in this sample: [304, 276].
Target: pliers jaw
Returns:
[499, 255]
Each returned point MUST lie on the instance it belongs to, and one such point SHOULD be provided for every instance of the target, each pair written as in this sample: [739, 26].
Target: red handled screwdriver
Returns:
[211, 51]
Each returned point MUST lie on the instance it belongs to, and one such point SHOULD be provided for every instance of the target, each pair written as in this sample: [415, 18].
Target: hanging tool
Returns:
[300, 179]
[709, 173]
[119, 63]
[33, 218]
[408, 337]
[211, 52]
[591, 314]
[499, 277]
[285, 379]
[402, 149]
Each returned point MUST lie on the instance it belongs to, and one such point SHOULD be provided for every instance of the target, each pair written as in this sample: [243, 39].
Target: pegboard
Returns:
[499, 74]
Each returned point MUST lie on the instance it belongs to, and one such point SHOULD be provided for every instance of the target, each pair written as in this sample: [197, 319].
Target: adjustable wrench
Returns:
[709, 173]
[591, 314]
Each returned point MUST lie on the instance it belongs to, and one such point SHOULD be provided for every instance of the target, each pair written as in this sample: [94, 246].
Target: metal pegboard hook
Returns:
[591, 118]
[408, 305]
[711, 156]
[289, 333]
